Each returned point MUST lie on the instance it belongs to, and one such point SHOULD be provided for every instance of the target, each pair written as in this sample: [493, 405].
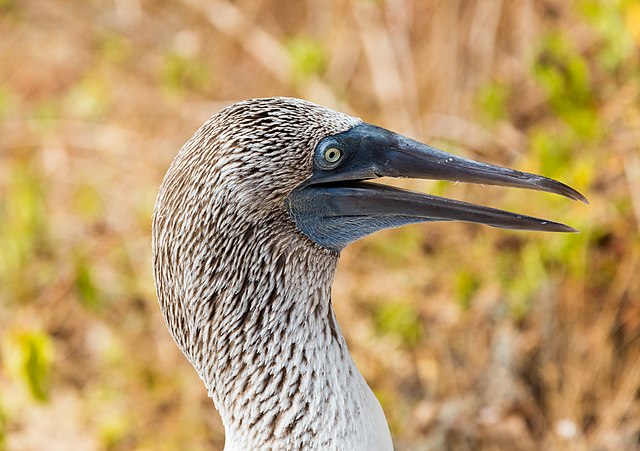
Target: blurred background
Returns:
[471, 337]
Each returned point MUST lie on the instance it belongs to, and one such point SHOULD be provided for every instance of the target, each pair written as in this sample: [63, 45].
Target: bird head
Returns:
[312, 168]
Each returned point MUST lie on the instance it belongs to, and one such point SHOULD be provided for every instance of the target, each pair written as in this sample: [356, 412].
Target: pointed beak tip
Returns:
[560, 227]
[553, 186]
[576, 195]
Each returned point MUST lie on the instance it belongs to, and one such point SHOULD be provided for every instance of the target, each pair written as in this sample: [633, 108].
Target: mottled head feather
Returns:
[256, 151]
[246, 295]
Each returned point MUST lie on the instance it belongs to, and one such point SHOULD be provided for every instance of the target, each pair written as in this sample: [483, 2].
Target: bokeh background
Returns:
[471, 337]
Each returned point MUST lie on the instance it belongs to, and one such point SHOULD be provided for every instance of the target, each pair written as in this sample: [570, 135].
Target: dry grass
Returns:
[473, 338]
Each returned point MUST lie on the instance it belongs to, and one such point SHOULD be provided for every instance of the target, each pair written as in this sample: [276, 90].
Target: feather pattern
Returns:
[246, 296]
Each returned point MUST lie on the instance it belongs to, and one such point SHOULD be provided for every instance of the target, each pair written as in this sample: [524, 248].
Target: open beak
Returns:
[335, 207]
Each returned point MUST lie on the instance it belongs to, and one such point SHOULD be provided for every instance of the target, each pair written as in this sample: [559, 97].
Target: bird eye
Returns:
[332, 154]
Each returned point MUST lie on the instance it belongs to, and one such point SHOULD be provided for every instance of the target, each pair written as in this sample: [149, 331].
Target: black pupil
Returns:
[332, 154]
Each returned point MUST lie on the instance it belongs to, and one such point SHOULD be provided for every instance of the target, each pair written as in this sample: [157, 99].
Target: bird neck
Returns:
[271, 353]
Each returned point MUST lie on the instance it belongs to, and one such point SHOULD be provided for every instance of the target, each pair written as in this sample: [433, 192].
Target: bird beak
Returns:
[335, 207]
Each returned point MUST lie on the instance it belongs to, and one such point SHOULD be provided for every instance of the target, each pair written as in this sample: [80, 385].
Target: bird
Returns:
[247, 230]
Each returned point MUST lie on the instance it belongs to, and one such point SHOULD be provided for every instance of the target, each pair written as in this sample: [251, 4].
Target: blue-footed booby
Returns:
[247, 231]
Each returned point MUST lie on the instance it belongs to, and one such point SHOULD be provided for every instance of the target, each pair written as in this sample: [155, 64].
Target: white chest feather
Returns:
[304, 392]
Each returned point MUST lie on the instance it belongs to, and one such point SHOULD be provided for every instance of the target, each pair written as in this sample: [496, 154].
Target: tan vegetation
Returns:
[473, 338]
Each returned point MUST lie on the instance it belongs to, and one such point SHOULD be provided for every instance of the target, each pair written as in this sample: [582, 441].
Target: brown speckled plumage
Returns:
[246, 295]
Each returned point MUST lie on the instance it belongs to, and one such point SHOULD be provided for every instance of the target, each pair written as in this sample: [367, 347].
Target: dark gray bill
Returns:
[371, 151]
[334, 207]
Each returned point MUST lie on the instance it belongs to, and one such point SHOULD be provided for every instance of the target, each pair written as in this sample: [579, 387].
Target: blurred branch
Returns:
[482, 37]
[472, 135]
[255, 40]
[619, 407]
[81, 135]
[263, 47]
[631, 165]
[384, 69]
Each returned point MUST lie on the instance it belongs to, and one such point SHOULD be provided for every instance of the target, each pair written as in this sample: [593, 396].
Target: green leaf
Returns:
[400, 320]
[607, 20]
[492, 101]
[88, 203]
[30, 356]
[3, 429]
[23, 229]
[182, 73]
[466, 285]
[84, 283]
[565, 76]
[307, 55]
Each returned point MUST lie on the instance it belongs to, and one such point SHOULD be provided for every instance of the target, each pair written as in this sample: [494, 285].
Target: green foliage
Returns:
[46, 112]
[606, 18]
[551, 150]
[3, 428]
[6, 7]
[631, 9]
[465, 286]
[568, 251]
[88, 204]
[84, 283]
[564, 74]
[307, 55]
[22, 228]
[114, 48]
[398, 247]
[526, 280]
[115, 429]
[6, 103]
[29, 356]
[90, 97]
[183, 73]
[492, 101]
[400, 320]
